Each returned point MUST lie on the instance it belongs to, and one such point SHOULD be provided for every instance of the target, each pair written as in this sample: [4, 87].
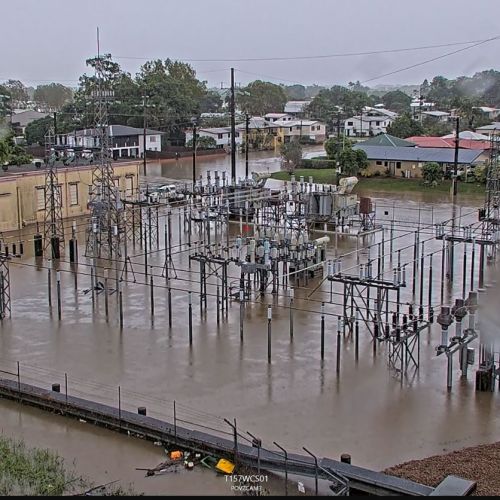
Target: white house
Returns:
[125, 142]
[272, 117]
[491, 113]
[372, 121]
[221, 135]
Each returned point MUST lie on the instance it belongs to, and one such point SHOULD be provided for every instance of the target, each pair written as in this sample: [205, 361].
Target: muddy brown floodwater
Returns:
[297, 400]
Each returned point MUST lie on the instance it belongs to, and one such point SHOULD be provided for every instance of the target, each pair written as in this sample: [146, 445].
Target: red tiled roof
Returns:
[429, 142]
[440, 142]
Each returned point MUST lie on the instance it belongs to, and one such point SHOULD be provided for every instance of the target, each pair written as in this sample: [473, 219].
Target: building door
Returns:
[392, 168]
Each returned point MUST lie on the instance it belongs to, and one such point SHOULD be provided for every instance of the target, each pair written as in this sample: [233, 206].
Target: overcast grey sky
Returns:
[50, 39]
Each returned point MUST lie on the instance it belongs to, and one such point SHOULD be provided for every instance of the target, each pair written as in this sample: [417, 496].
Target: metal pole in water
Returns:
[169, 297]
[429, 299]
[106, 301]
[291, 313]
[422, 275]
[242, 305]
[58, 278]
[151, 293]
[356, 336]
[339, 328]
[190, 311]
[120, 304]
[464, 272]
[269, 319]
[322, 331]
[218, 305]
[49, 288]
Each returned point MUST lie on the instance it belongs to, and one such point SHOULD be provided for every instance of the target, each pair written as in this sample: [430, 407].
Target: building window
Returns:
[378, 124]
[237, 134]
[350, 124]
[385, 164]
[379, 162]
[291, 128]
[152, 138]
[220, 136]
[73, 193]
[398, 164]
[40, 197]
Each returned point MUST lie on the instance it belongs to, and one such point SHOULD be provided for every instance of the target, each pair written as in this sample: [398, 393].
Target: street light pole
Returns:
[315, 468]
[194, 152]
[286, 465]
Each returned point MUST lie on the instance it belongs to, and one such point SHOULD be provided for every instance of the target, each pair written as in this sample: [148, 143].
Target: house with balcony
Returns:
[310, 130]
[125, 141]
[372, 121]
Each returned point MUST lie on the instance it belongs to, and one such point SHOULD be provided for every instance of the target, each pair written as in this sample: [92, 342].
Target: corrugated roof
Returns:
[468, 134]
[439, 155]
[440, 142]
[387, 140]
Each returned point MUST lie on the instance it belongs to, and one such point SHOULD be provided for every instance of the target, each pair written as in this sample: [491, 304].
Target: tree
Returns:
[5, 101]
[36, 130]
[174, 94]
[11, 153]
[351, 160]
[397, 101]
[211, 102]
[432, 173]
[203, 143]
[17, 92]
[52, 96]
[291, 153]
[405, 126]
[259, 98]
[295, 92]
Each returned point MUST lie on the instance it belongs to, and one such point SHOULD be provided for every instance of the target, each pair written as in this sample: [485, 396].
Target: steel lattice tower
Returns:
[4, 288]
[105, 205]
[53, 227]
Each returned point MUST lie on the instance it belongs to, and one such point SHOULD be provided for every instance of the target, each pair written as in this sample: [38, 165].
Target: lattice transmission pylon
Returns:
[53, 226]
[103, 233]
[4, 288]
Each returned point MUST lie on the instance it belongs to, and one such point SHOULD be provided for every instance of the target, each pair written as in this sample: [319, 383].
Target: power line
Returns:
[321, 56]
[432, 59]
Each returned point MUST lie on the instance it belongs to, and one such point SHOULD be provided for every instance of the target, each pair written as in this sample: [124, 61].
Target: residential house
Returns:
[493, 129]
[419, 105]
[23, 118]
[125, 141]
[388, 140]
[272, 117]
[468, 134]
[296, 108]
[372, 121]
[262, 133]
[488, 112]
[313, 130]
[438, 116]
[408, 162]
[449, 143]
[221, 135]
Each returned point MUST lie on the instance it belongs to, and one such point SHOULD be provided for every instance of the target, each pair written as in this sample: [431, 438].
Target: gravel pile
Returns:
[478, 463]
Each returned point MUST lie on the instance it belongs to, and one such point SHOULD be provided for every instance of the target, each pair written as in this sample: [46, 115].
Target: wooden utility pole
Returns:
[455, 162]
[247, 142]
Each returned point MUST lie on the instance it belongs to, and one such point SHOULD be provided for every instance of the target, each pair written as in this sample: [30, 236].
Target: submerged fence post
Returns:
[58, 279]
[269, 319]
[322, 331]
[291, 313]
[190, 313]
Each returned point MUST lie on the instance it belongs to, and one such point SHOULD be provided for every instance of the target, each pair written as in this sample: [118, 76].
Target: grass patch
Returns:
[381, 184]
[35, 472]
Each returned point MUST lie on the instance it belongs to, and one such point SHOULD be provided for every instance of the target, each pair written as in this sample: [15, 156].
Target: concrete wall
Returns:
[19, 201]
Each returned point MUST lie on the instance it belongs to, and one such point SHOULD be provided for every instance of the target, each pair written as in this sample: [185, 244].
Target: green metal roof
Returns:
[387, 140]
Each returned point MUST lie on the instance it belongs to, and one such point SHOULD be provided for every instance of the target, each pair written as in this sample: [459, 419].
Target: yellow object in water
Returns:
[176, 455]
[225, 466]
